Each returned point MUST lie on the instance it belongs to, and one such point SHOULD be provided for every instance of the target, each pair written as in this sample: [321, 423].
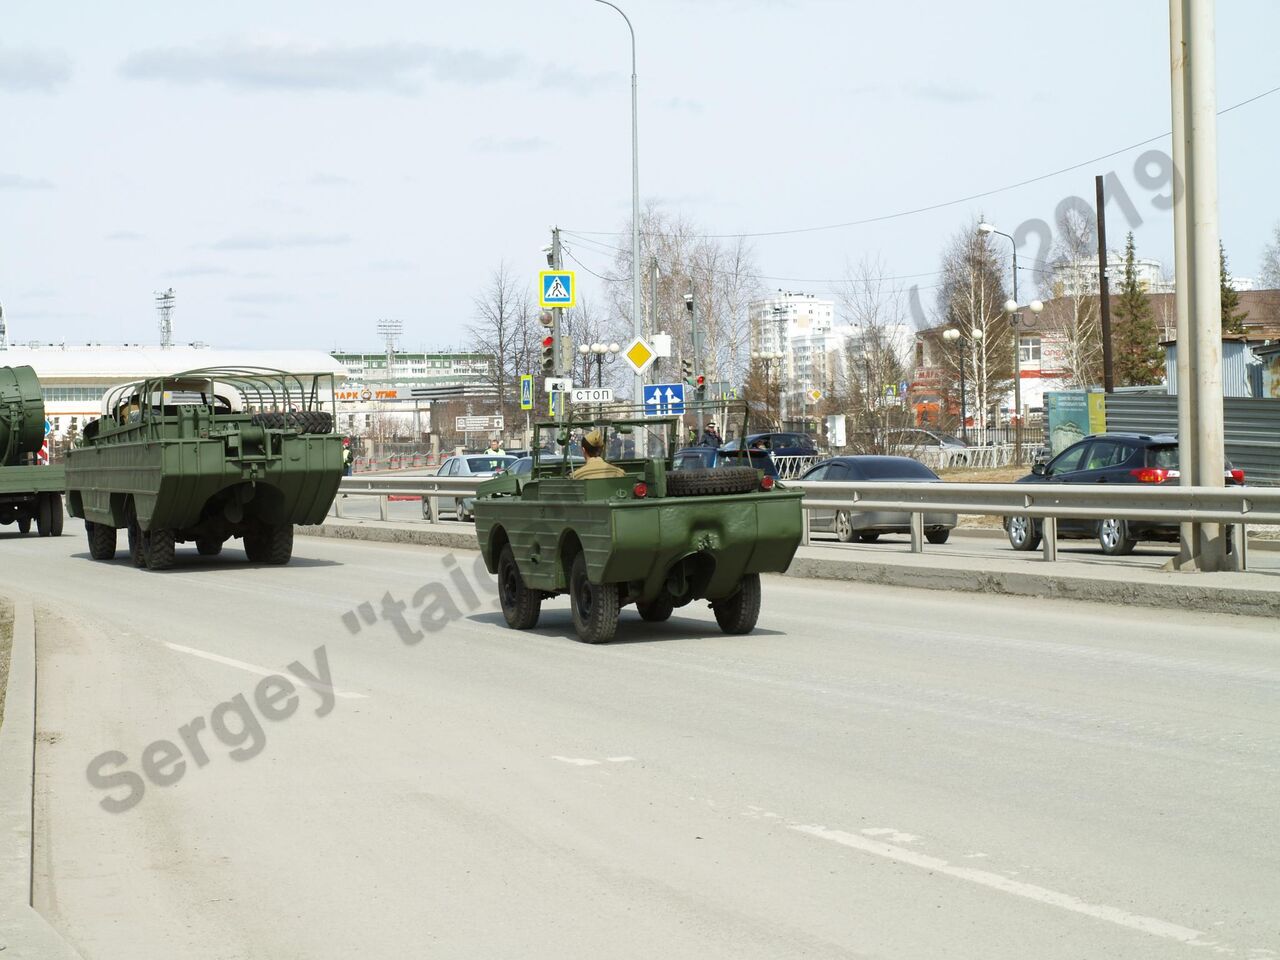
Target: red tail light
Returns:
[766, 483]
[1237, 475]
[1150, 474]
[640, 490]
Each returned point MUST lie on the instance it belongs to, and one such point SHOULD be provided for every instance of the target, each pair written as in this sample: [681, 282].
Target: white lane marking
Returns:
[1150, 925]
[577, 761]
[620, 759]
[260, 671]
[890, 834]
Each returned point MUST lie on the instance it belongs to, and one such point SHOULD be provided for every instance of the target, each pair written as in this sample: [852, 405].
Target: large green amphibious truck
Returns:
[29, 492]
[656, 536]
[205, 456]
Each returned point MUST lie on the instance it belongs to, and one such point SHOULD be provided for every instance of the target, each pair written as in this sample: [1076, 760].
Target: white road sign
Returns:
[592, 395]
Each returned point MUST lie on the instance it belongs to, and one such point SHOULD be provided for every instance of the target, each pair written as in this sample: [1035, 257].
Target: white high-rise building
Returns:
[800, 326]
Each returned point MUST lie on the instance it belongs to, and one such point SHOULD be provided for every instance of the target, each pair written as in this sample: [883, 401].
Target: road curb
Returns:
[375, 530]
[23, 931]
[1177, 594]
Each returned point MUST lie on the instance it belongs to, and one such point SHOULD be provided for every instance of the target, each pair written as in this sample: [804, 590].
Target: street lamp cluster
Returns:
[598, 352]
[768, 358]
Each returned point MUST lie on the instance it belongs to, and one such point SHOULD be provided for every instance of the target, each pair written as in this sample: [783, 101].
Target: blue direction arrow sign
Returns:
[664, 400]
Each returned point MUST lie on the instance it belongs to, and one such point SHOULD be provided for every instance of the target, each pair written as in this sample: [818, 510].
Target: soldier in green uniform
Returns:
[596, 466]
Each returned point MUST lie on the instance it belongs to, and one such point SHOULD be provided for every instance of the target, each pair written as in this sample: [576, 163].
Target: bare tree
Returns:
[971, 299]
[1073, 323]
[1271, 261]
[506, 330]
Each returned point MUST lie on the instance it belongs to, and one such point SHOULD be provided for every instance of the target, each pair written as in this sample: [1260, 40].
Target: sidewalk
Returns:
[969, 563]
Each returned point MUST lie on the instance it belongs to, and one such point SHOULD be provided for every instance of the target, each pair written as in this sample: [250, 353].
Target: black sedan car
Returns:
[867, 527]
[1108, 458]
[779, 444]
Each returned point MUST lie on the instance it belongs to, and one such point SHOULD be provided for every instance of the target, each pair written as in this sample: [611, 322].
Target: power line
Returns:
[948, 203]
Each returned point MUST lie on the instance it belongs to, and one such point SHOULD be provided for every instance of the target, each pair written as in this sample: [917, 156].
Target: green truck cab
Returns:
[205, 456]
[655, 537]
[29, 491]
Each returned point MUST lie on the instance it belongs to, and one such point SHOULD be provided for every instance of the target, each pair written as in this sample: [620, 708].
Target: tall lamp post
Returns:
[987, 228]
[636, 330]
[769, 358]
[1015, 320]
[951, 336]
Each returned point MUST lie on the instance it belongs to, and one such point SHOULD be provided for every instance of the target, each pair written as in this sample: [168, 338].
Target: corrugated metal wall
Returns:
[1240, 376]
[1252, 428]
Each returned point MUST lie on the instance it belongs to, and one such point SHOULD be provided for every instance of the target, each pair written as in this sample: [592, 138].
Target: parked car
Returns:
[1108, 458]
[867, 527]
[778, 444]
[706, 458]
[915, 440]
[481, 466]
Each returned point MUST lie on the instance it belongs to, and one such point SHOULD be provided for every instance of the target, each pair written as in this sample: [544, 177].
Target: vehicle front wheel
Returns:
[657, 611]
[937, 536]
[520, 605]
[1022, 533]
[102, 540]
[844, 526]
[1113, 537]
[595, 605]
[739, 613]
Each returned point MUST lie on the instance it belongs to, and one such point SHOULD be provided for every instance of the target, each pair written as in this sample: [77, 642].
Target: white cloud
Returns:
[24, 71]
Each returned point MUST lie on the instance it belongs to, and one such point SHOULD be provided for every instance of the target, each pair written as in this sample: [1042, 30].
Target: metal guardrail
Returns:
[1237, 506]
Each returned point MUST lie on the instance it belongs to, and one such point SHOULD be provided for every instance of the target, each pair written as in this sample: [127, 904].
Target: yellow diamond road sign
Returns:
[815, 395]
[639, 354]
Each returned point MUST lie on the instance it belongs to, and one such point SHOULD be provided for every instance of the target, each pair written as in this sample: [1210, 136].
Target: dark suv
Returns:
[706, 458]
[1108, 458]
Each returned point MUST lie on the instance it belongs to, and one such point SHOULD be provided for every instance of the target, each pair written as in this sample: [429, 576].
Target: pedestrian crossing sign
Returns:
[556, 288]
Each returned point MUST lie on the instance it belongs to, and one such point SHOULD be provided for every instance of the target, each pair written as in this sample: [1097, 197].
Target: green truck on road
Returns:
[206, 456]
[656, 537]
[29, 492]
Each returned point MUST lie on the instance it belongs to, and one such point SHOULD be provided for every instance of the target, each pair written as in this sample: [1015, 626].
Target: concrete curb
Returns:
[1146, 588]
[23, 932]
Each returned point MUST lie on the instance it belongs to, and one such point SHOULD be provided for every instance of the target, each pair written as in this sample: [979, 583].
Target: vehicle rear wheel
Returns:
[520, 605]
[1113, 537]
[44, 515]
[868, 537]
[208, 546]
[24, 525]
[137, 546]
[657, 611]
[273, 544]
[739, 613]
[937, 536]
[844, 527]
[55, 514]
[1022, 533]
[102, 540]
[594, 605]
[161, 549]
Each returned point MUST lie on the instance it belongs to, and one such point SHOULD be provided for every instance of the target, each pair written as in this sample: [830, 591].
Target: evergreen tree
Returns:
[1138, 359]
[1232, 315]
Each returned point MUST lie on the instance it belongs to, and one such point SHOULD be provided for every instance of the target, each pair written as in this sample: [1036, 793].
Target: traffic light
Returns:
[566, 354]
[700, 387]
[686, 370]
[549, 355]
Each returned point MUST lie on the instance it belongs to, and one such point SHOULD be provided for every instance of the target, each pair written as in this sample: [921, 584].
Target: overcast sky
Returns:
[297, 170]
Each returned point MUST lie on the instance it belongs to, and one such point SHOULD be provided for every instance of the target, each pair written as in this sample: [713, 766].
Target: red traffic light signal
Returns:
[700, 382]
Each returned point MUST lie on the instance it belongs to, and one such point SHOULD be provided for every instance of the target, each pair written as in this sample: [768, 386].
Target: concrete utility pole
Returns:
[1197, 296]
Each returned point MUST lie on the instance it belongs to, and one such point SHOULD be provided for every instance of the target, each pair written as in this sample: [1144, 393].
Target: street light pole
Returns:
[636, 330]
[1015, 320]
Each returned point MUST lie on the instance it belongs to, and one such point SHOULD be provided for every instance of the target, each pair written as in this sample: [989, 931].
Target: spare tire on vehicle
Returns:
[272, 421]
[715, 482]
[311, 421]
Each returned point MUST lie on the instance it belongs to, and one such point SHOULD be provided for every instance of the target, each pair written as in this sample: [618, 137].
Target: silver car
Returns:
[865, 526]
[481, 466]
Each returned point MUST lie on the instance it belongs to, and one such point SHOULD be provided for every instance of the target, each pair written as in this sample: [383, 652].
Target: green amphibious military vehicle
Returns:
[656, 537]
[28, 492]
[206, 456]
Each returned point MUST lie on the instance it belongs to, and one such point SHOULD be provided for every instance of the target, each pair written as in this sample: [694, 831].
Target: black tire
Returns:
[657, 611]
[868, 537]
[24, 525]
[843, 526]
[44, 515]
[520, 605]
[56, 515]
[595, 605]
[707, 483]
[937, 536]
[1023, 533]
[273, 545]
[102, 540]
[255, 547]
[161, 549]
[137, 544]
[739, 613]
[1114, 539]
[208, 546]
[271, 421]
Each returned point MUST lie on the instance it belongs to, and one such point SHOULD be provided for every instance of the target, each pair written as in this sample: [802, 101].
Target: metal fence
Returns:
[1251, 428]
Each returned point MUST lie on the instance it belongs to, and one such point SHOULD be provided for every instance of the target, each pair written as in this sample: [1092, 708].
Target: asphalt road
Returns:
[874, 773]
